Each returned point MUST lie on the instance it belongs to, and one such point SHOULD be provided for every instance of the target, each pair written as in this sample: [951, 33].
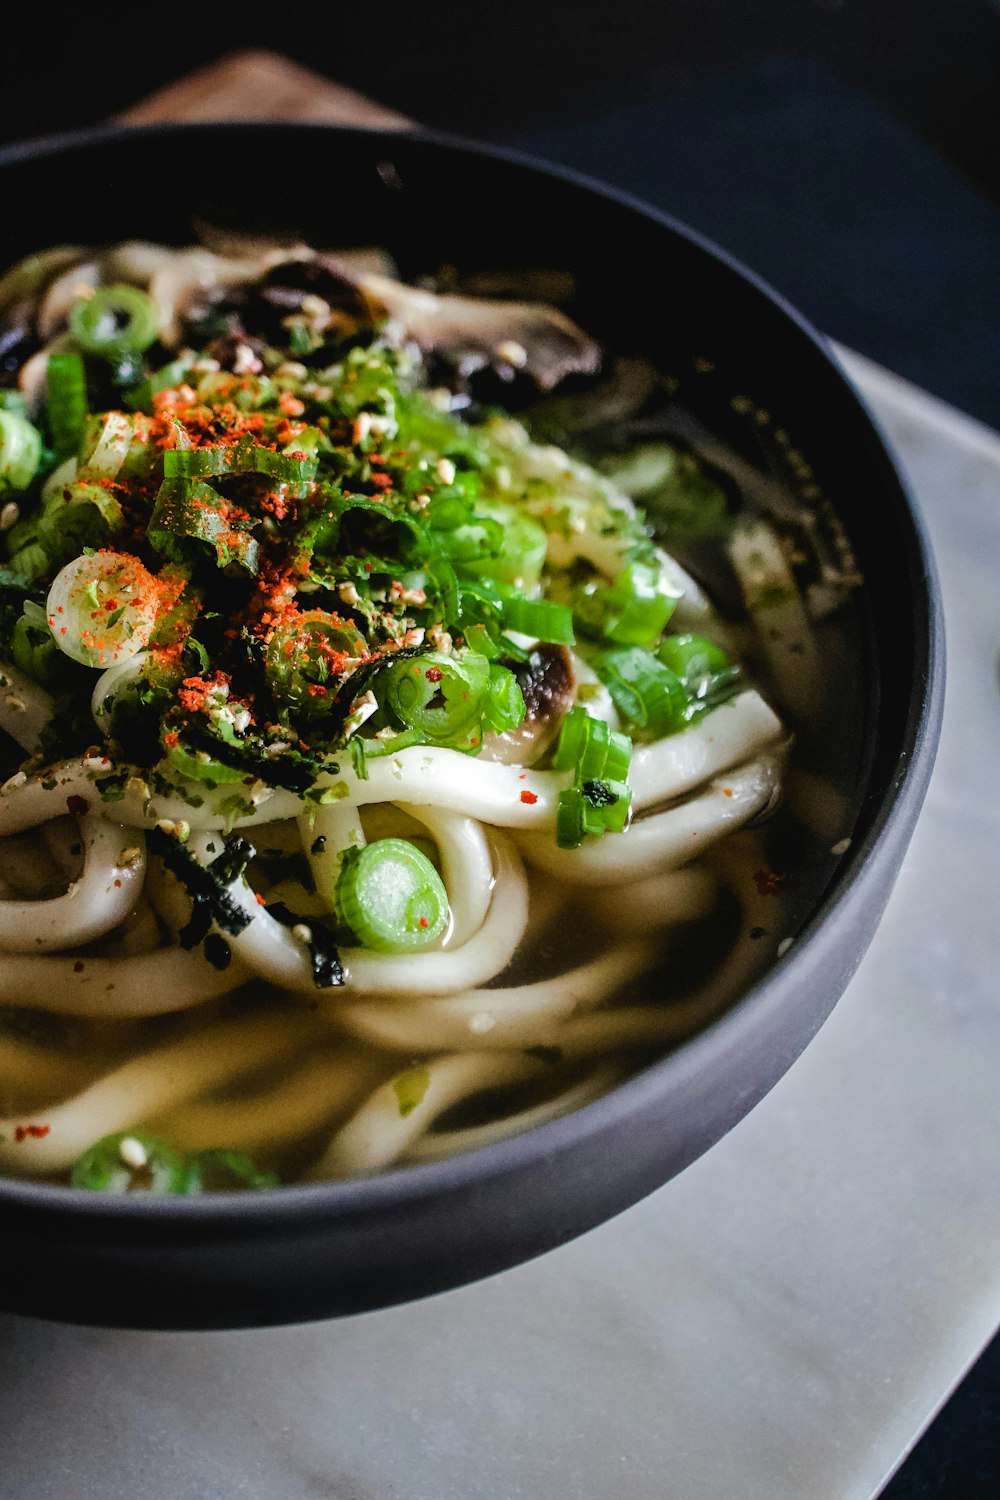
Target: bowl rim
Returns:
[330, 1202]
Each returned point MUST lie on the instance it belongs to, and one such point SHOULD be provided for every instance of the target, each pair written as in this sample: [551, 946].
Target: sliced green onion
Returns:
[591, 748]
[596, 807]
[67, 402]
[520, 554]
[632, 611]
[645, 692]
[164, 379]
[32, 647]
[692, 657]
[14, 401]
[222, 1170]
[440, 696]
[541, 618]
[102, 609]
[703, 667]
[116, 320]
[198, 765]
[238, 458]
[503, 705]
[129, 1161]
[308, 658]
[106, 441]
[187, 508]
[479, 640]
[20, 452]
[391, 897]
[76, 516]
[30, 561]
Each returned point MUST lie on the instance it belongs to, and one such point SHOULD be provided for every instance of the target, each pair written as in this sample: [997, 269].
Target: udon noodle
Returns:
[371, 755]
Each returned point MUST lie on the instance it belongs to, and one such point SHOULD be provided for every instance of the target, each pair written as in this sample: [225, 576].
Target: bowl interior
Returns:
[768, 388]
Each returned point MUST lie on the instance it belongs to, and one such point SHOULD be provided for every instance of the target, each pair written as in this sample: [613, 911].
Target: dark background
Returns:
[848, 150]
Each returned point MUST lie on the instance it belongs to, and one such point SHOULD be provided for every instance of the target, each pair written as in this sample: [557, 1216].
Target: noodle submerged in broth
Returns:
[367, 755]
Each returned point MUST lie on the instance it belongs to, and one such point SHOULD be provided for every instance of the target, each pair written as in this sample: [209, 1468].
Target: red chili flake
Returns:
[528, 797]
[36, 1132]
[118, 884]
[769, 882]
[171, 739]
[78, 966]
[77, 805]
[260, 899]
[382, 481]
[728, 791]
[423, 922]
[433, 674]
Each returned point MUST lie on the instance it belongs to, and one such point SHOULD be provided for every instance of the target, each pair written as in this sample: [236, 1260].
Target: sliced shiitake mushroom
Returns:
[548, 685]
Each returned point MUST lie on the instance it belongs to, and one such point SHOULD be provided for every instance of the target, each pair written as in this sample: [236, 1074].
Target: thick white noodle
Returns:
[326, 833]
[653, 903]
[778, 611]
[152, 984]
[662, 841]
[275, 953]
[317, 1088]
[735, 732]
[150, 1084]
[50, 1072]
[497, 1018]
[466, 865]
[381, 1132]
[113, 872]
[426, 775]
[437, 1144]
[25, 708]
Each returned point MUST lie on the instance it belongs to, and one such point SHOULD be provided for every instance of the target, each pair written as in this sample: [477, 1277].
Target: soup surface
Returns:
[416, 720]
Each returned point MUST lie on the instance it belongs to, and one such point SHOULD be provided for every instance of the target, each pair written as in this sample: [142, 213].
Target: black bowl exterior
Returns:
[650, 285]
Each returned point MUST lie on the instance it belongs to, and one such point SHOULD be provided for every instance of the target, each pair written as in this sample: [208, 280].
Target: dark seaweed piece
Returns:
[328, 971]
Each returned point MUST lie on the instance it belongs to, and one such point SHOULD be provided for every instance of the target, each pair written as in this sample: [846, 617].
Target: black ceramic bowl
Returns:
[649, 284]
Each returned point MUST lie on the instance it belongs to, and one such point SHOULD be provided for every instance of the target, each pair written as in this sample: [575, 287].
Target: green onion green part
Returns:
[390, 897]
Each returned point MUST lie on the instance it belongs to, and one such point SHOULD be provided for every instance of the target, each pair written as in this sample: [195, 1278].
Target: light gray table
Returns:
[778, 1323]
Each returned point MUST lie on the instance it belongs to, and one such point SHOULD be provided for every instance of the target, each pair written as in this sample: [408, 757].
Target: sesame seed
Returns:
[513, 353]
[133, 1153]
[9, 515]
[302, 932]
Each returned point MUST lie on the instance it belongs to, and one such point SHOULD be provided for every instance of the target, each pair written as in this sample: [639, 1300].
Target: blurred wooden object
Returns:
[258, 85]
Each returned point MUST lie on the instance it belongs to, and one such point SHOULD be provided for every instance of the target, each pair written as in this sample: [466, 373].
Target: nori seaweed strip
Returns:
[598, 793]
[218, 951]
[203, 884]
[354, 686]
[328, 971]
[198, 928]
[237, 852]
[291, 770]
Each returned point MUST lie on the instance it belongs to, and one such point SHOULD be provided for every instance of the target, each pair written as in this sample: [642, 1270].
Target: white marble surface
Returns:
[778, 1323]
